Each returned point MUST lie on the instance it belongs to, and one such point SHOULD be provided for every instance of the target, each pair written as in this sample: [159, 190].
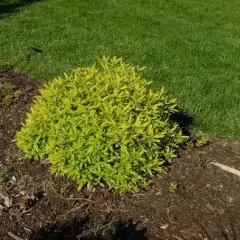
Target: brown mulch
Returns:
[194, 200]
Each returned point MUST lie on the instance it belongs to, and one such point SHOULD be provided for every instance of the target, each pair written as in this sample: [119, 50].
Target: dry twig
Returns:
[69, 199]
[226, 168]
[74, 209]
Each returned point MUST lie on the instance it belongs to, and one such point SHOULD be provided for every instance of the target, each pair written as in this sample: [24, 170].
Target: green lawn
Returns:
[191, 47]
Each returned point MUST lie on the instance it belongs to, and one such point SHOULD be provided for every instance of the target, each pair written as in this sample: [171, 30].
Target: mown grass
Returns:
[191, 47]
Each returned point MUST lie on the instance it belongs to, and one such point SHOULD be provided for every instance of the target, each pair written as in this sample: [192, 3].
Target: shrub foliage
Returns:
[102, 125]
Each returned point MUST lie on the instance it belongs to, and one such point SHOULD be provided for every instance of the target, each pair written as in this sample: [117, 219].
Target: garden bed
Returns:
[194, 200]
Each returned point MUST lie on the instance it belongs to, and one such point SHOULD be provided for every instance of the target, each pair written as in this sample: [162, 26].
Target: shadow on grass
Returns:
[10, 6]
[81, 229]
[184, 121]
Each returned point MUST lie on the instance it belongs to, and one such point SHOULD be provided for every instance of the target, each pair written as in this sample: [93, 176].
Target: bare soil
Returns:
[193, 200]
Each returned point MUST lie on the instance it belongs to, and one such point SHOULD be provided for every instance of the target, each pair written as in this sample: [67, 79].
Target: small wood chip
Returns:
[27, 229]
[14, 236]
[165, 226]
[7, 200]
